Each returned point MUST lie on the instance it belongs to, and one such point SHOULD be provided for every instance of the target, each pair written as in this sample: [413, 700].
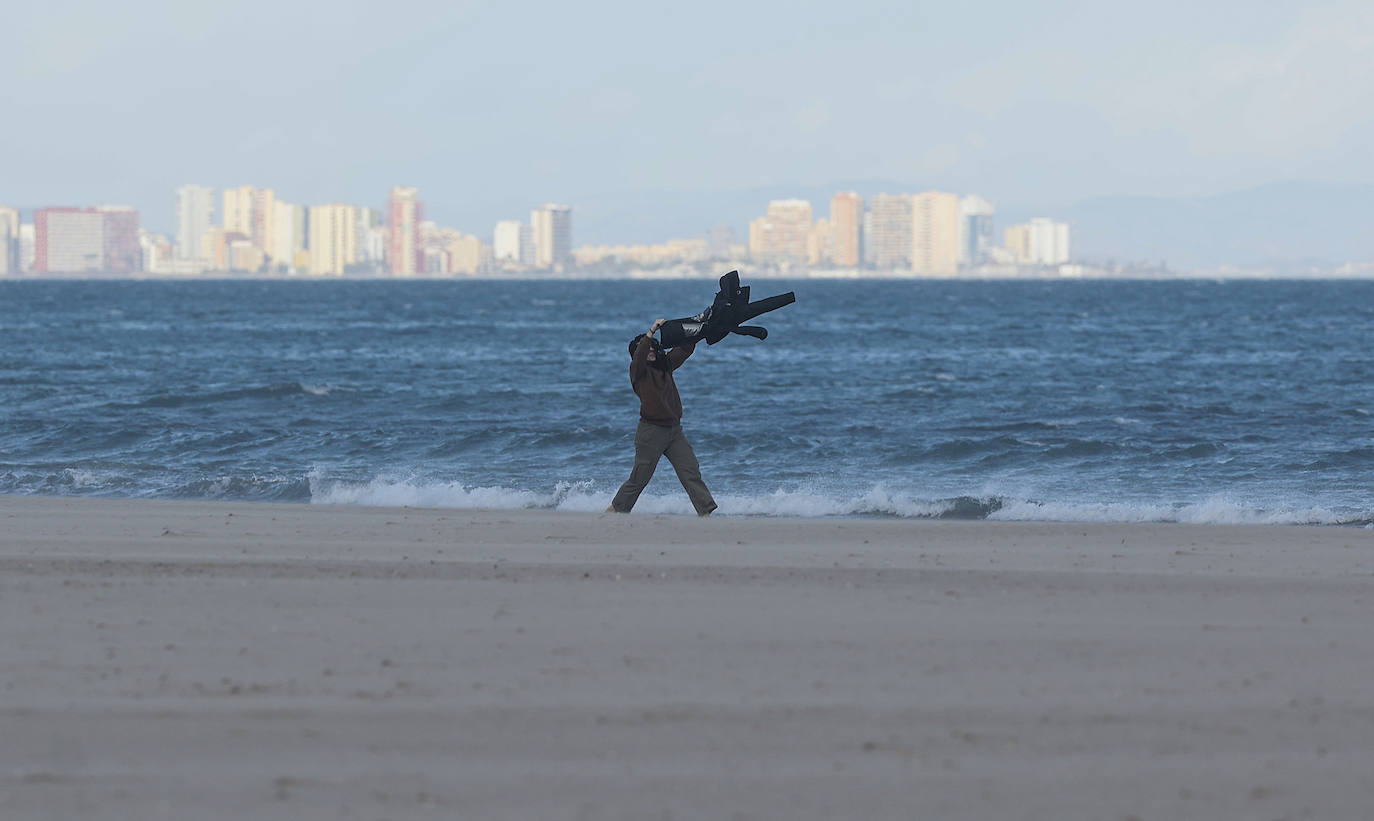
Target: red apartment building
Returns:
[78, 240]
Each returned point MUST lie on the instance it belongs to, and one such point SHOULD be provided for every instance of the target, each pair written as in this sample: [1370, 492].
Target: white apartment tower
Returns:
[975, 230]
[9, 241]
[551, 226]
[28, 244]
[288, 233]
[236, 216]
[1048, 241]
[371, 238]
[890, 226]
[195, 215]
[506, 241]
[333, 239]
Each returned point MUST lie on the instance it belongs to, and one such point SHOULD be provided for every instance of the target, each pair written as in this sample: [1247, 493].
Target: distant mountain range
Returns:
[1282, 225]
[1288, 225]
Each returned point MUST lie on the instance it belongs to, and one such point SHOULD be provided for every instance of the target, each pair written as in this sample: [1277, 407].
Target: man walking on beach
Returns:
[660, 424]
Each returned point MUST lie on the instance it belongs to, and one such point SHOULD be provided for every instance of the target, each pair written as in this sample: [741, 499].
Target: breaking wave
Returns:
[878, 501]
[585, 496]
[279, 390]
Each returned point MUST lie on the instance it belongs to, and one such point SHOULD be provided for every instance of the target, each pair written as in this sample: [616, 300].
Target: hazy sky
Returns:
[491, 108]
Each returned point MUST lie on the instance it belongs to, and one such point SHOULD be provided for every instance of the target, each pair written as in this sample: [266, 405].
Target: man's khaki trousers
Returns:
[651, 442]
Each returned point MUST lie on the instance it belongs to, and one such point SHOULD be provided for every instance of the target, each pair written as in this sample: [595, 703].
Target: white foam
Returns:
[402, 491]
[397, 490]
[319, 390]
[84, 478]
[1215, 511]
[810, 503]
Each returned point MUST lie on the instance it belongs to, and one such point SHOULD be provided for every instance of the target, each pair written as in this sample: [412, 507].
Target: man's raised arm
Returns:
[640, 361]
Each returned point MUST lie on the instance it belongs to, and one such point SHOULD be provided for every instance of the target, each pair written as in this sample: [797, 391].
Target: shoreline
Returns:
[1205, 514]
[226, 660]
[653, 275]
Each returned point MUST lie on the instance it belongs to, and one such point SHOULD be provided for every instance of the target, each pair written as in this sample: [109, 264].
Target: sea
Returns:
[1095, 400]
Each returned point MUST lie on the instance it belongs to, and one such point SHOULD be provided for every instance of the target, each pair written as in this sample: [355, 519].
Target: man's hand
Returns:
[658, 323]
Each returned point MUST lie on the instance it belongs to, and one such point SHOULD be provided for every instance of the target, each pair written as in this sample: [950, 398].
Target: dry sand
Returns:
[188, 660]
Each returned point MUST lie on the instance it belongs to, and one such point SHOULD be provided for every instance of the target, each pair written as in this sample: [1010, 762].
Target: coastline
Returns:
[1361, 272]
[225, 660]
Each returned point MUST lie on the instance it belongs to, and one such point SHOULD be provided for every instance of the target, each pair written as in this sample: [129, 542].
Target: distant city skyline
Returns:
[1034, 106]
[1246, 231]
[256, 232]
[1284, 226]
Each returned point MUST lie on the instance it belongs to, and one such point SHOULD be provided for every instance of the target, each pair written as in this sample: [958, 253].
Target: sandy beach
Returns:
[198, 660]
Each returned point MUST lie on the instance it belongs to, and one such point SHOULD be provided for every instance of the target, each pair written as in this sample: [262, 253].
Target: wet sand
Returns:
[198, 660]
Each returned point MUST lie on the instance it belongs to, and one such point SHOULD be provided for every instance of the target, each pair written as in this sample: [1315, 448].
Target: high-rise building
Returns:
[75, 240]
[820, 243]
[251, 211]
[69, 240]
[214, 247]
[195, 214]
[975, 230]
[782, 234]
[245, 256]
[264, 222]
[9, 240]
[1042, 241]
[867, 235]
[371, 239]
[28, 245]
[551, 226]
[935, 233]
[526, 244]
[236, 215]
[288, 234]
[1048, 241]
[467, 254]
[122, 252]
[1016, 239]
[506, 241]
[405, 212]
[890, 231]
[156, 252]
[433, 245]
[846, 226]
[333, 239]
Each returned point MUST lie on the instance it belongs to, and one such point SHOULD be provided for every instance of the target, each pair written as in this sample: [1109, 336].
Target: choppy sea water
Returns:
[1068, 401]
